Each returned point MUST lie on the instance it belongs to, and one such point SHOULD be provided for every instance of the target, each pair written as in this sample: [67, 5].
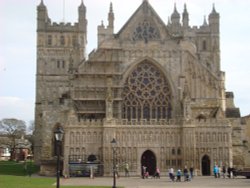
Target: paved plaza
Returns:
[136, 182]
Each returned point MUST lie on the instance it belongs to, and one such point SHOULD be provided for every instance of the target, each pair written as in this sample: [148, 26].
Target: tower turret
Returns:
[185, 17]
[175, 22]
[42, 16]
[205, 21]
[214, 21]
[82, 17]
[111, 17]
[214, 25]
[106, 32]
[175, 17]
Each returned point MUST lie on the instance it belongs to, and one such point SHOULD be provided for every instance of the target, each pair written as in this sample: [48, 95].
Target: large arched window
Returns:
[146, 94]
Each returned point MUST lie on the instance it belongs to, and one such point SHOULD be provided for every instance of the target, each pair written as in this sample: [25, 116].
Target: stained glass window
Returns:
[146, 94]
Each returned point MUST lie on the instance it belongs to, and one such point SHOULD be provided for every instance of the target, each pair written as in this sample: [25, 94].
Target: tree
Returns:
[30, 135]
[13, 129]
[31, 127]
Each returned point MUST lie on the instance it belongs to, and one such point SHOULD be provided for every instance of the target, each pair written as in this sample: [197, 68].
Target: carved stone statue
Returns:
[109, 101]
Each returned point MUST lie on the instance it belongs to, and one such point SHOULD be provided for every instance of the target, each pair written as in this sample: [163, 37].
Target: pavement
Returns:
[137, 182]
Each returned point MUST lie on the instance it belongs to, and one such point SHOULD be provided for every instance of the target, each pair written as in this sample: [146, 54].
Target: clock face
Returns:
[145, 31]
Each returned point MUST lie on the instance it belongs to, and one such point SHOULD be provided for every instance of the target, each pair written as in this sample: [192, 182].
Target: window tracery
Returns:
[145, 31]
[146, 94]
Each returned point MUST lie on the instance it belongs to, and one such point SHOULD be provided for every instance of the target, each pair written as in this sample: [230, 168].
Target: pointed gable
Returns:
[144, 25]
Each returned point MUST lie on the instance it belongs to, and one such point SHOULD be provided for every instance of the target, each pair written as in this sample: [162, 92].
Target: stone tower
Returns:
[61, 47]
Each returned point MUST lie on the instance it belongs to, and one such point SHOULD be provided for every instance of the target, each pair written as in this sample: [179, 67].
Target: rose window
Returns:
[146, 94]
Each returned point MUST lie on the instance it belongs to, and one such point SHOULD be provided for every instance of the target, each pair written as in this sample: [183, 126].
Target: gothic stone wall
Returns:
[190, 142]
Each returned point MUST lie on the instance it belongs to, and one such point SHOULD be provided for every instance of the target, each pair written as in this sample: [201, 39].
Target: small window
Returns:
[179, 151]
[204, 45]
[62, 40]
[58, 63]
[173, 151]
[49, 40]
[74, 41]
[63, 63]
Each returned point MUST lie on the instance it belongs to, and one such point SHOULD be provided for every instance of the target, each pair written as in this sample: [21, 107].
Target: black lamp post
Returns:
[58, 136]
[113, 144]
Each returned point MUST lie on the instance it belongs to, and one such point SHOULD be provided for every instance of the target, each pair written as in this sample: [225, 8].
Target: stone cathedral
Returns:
[156, 87]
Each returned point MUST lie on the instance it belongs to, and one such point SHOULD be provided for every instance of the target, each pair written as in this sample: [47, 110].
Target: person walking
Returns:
[191, 170]
[216, 171]
[157, 173]
[229, 171]
[171, 174]
[116, 171]
[223, 171]
[178, 175]
[185, 172]
[219, 172]
[144, 170]
[233, 172]
[126, 170]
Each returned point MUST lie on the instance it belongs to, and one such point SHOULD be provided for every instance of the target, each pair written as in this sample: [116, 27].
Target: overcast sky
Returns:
[18, 42]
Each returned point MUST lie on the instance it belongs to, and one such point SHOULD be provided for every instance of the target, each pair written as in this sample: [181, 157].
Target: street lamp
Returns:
[58, 136]
[113, 144]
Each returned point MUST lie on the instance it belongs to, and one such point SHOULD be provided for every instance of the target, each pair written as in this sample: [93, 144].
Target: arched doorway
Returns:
[205, 163]
[148, 159]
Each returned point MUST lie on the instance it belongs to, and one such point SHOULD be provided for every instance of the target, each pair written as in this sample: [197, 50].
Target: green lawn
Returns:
[17, 169]
[16, 175]
[8, 181]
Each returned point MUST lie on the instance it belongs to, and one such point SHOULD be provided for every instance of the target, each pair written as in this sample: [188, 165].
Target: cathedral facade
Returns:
[157, 88]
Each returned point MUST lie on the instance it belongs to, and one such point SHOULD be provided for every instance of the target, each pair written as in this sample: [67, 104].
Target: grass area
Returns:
[16, 175]
[17, 169]
[7, 181]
